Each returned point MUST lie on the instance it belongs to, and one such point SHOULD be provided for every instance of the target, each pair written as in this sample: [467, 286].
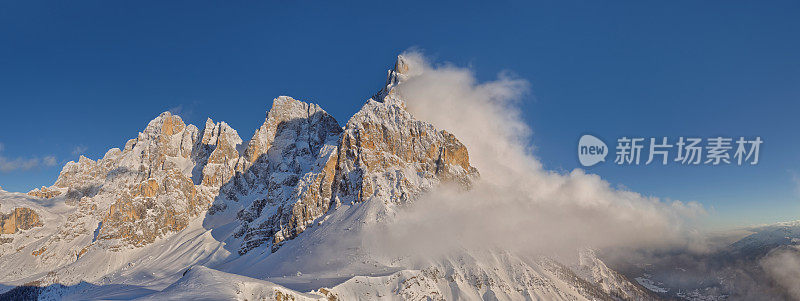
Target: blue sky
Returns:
[80, 78]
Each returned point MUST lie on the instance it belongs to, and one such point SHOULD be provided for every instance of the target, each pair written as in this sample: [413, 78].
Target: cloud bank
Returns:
[517, 205]
[783, 266]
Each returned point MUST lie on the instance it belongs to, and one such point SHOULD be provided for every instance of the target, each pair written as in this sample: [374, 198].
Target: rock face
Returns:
[386, 152]
[217, 154]
[18, 219]
[287, 171]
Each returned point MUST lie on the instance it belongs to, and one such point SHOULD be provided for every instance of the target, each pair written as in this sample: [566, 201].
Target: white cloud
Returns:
[8, 165]
[14, 164]
[49, 161]
[79, 150]
[176, 110]
[517, 205]
[783, 266]
[184, 111]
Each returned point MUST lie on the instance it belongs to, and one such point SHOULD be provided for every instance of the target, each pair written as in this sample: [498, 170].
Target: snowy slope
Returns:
[201, 283]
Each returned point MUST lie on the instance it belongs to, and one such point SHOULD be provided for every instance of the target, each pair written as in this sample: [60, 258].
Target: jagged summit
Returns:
[284, 110]
[401, 66]
[167, 121]
[400, 72]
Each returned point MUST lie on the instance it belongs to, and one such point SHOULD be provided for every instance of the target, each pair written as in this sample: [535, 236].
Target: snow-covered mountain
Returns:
[764, 239]
[751, 267]
[187, 213]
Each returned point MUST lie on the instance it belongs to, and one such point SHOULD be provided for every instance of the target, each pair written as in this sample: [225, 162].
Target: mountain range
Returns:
[185, 212]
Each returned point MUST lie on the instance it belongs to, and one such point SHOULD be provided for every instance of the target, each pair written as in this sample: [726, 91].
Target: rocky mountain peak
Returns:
[394, 77]
[166, 124]
[214, 131]
[285, 111]
[401, 65]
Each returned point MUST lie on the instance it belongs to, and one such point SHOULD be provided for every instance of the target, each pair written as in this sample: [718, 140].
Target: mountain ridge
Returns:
[178, 197]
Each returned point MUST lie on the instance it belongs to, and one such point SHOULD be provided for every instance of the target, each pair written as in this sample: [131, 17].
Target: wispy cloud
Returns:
[176, 110]
[795, 181]
[13, 164]
[79, 150]
[185, 111]
[9, 165]
[49, 161]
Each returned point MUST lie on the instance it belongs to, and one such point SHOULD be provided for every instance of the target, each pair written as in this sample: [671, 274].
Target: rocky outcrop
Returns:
[44, 192]
[152, 208]
[217, 154]
[81, 173]
[21, 218]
